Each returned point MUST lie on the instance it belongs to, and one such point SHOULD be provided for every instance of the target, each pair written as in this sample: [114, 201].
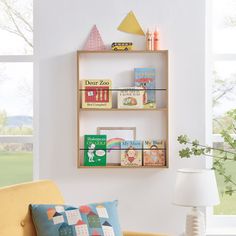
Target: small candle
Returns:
[156, 45]
[148, 40]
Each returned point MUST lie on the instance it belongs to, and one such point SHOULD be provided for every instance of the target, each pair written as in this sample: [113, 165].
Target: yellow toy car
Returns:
[122, 46]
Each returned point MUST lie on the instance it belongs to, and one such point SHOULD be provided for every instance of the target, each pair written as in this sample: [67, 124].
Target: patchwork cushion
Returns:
[98, 219]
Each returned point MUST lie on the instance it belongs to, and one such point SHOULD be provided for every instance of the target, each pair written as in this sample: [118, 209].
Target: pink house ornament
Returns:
[94, 41]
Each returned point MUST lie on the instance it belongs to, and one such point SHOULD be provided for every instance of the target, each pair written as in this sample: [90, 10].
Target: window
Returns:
[224, 88]
[16, 91]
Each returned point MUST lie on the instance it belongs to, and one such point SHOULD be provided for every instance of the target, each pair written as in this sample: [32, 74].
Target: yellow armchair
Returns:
[14, 201]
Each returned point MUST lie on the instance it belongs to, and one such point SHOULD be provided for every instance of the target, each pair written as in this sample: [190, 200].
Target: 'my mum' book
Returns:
[131, 153]
[145, 78]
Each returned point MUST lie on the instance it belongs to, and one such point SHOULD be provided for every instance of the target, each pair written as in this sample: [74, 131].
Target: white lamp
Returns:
[195, 188]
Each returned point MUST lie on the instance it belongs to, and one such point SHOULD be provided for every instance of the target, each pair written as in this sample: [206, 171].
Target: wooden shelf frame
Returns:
[123, 167]
[125, 52]
[123, 109]
[165, 109]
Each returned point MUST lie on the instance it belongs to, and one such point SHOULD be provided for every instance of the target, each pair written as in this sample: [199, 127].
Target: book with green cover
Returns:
[95, 150]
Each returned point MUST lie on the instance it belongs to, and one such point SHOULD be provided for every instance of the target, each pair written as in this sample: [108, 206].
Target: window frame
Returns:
[216, 224]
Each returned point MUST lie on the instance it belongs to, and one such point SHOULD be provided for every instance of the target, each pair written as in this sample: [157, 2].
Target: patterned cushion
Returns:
[98, 219]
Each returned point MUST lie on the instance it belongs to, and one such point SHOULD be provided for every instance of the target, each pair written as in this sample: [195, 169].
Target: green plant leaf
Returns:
[186, 152]
[195, 143]
[183, 139]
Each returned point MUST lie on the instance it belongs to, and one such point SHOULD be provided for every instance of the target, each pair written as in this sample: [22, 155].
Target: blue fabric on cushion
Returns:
[98, 219]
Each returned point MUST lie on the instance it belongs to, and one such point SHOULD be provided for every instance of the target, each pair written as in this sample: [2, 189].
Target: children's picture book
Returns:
[145, 78]
[95, 150]
[131, 153]
[96, 93]
[130, 98]
[116, 135]
[154, 153]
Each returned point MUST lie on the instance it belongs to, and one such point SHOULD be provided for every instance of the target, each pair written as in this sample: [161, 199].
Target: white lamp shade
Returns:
[196, 188]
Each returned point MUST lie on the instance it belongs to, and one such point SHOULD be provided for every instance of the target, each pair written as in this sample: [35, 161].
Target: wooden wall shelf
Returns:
[161, 112]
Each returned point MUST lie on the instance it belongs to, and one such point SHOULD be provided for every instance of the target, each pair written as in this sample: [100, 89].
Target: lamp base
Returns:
[195, 223]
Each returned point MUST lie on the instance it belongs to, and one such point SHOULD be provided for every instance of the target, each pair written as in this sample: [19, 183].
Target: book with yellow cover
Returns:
[96, 93]
[130, 98]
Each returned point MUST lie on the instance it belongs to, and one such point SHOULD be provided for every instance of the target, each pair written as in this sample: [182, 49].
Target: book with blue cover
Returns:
[131, 153]
[146, 78]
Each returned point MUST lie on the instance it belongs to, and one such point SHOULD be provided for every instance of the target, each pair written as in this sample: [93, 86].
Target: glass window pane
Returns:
[16, 27]
[227, 204]
[16, 95]
[224, 26]
[16, 163]
[224, 93]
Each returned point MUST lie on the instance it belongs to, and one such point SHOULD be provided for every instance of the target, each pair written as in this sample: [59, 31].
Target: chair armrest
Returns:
[126, 233]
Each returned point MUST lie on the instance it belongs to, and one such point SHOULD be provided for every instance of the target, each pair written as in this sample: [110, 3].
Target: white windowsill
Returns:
[221, 232]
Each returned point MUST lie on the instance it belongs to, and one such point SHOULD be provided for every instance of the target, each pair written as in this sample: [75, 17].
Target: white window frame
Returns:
[221, 225]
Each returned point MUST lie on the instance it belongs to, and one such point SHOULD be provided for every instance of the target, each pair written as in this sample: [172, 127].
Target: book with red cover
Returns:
[96, 94]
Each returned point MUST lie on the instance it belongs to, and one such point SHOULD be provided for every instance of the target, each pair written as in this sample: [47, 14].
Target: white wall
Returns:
[61, 26]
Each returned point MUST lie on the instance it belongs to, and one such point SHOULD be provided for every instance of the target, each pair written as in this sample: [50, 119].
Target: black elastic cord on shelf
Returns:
[92, 89]
[120, 149]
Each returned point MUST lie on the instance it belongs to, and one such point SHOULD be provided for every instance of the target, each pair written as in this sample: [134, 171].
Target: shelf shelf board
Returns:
[122, 167]
[128, 52]
[116, 109]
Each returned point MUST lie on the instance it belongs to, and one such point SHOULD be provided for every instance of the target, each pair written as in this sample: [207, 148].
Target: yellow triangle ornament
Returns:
[131, 25]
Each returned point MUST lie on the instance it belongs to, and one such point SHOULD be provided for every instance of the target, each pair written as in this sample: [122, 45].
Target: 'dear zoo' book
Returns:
[95, 150]
[96, 93]
[131, 153]
[145, 78]
[154, 153]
